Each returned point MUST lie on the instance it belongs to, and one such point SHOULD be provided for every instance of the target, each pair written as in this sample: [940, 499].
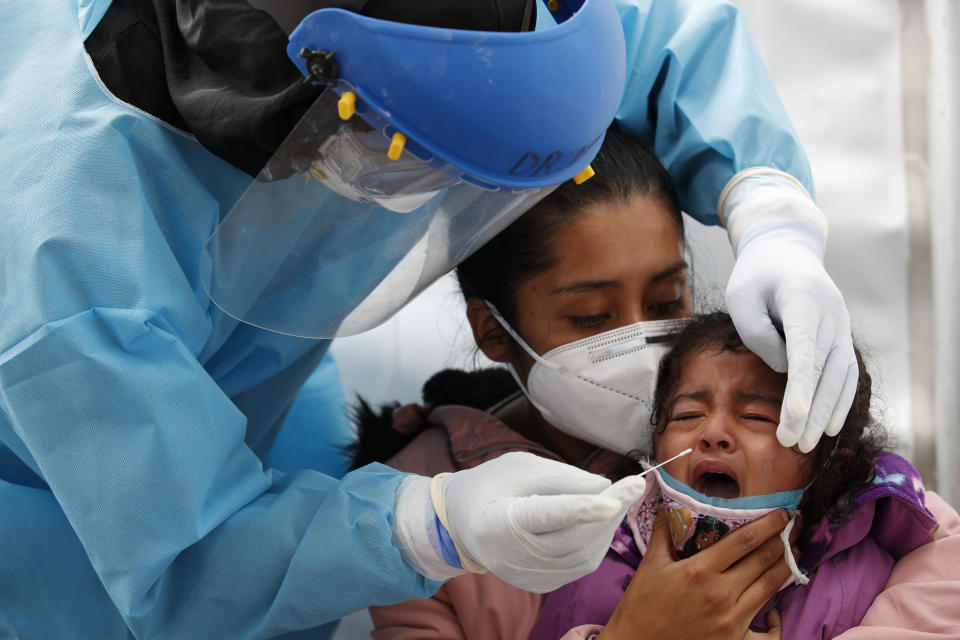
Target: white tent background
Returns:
[871, 86]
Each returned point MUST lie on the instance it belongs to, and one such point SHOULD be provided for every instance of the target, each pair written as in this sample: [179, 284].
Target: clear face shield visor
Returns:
[346, 224]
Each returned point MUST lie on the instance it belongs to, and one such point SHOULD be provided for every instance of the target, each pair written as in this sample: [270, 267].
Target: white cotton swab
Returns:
[679, 455]
[625, 489]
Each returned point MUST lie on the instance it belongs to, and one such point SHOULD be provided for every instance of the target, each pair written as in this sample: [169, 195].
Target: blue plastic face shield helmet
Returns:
[426, 143]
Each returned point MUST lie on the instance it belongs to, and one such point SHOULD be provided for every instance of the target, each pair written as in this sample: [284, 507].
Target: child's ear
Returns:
[487, 332]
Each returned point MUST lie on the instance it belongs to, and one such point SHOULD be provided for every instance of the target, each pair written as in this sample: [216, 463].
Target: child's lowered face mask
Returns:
[697, 521]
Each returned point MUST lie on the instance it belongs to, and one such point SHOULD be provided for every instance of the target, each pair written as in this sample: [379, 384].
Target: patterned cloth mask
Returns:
[698, 521]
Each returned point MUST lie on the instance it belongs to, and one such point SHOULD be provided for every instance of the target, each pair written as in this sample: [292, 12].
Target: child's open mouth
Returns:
[717, 484]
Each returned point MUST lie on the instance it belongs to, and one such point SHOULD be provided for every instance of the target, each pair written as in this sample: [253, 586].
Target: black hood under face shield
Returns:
[219, 68]
[485, 15]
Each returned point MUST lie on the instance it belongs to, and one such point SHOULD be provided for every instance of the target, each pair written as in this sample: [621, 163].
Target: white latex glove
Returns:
[535, 523]
[778, 235]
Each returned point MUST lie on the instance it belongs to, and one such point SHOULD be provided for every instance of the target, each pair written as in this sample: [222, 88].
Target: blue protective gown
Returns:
[135, 417]
[317, 429]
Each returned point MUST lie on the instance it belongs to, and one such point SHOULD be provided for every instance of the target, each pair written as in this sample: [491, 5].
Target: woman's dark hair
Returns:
[840, 463]
[624, 168]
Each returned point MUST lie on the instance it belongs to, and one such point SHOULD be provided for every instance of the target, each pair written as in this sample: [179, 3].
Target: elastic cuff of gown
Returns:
[760, 200]
[415, 531]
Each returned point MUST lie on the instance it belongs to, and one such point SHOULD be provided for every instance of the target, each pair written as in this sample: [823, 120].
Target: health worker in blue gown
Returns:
[198, 195]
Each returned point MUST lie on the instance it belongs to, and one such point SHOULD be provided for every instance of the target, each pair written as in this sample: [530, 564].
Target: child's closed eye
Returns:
[686, 416]
[761, 418]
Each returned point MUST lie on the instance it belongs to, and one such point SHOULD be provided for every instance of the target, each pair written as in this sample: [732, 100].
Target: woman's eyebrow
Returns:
[585, 285]
[593, 285]
[670, 271]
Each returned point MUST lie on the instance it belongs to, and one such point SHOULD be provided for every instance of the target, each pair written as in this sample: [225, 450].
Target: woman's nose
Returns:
[636, 313]
[717, 432]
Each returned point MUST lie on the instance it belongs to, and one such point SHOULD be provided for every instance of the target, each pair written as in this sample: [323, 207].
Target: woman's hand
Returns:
[774, 622]
[712, 595]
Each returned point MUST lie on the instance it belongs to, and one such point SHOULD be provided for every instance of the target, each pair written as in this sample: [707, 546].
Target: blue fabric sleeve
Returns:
[148, 458]
[317, 429]
[190, 536]
[134, 415]
[699, 94]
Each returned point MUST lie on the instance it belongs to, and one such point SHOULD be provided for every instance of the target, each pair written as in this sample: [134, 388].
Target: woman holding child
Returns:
[594, 281]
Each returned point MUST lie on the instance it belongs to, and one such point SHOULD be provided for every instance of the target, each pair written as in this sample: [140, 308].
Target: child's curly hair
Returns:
[839, 464]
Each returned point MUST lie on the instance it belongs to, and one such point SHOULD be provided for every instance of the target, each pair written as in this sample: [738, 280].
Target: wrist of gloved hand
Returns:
[420, 536]
[761, 201]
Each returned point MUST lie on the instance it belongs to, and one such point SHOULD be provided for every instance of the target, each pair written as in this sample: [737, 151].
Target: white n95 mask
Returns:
[600, 389]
